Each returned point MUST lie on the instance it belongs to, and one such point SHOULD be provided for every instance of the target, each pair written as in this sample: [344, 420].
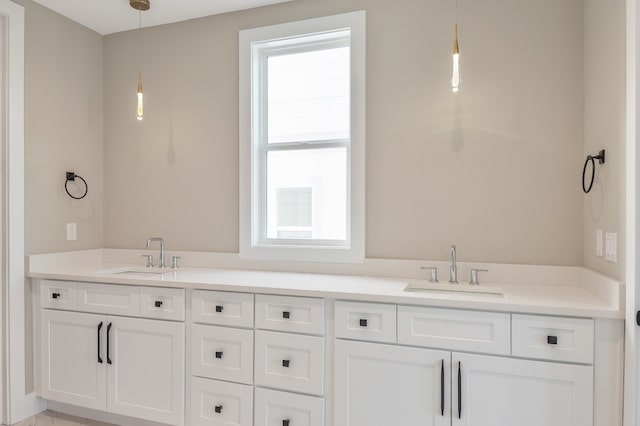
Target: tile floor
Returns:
[52, 418]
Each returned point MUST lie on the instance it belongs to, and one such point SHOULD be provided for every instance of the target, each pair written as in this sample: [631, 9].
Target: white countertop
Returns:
[586, 294]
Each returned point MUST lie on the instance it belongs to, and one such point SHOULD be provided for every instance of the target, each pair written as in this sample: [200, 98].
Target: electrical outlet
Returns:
[612, 247]
[72, 231]
[599, 242]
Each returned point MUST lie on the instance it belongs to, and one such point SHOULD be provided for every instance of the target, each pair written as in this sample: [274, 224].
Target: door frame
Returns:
[18, 401]
[632, 349]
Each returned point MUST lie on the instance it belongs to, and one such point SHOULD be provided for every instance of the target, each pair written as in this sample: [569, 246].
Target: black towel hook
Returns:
[592, 159]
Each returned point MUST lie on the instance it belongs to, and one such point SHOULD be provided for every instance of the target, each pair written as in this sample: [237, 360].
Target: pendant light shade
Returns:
[455, 71]
[140, 108]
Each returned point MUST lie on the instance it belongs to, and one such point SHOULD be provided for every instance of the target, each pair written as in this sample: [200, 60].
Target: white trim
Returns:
[632, 351]
[355, 250]
[18, 403]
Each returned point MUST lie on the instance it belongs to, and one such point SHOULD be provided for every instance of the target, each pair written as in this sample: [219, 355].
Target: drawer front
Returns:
[222, 308]
[275, 408]
[458, 330]
[292, 314]
[58, 295]
[162, 303]
[215, 403]
[109, 299]
[290, 362]
[365, 321]
[222, 353]
[553, 338]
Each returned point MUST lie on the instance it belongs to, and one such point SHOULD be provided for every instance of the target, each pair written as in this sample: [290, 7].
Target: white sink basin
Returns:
[137, 270]
[455, 288]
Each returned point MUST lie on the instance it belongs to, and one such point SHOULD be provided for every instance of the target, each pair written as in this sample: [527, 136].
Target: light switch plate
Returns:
[599, 242]
[72, 231]
[612, 247]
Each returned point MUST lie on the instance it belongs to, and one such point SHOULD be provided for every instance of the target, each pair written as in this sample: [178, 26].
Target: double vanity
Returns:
[208, 346]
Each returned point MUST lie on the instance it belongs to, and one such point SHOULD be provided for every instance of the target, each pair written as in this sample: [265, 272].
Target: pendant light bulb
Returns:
[140, 109]
[455, 74]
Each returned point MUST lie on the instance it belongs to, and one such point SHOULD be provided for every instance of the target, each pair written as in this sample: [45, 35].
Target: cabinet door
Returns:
[505, 392]
[73, 364]
[146, 370]
[382, 385]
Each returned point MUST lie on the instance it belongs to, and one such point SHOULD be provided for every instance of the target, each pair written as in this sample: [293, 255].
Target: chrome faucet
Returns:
[161, 240]
[453, 278]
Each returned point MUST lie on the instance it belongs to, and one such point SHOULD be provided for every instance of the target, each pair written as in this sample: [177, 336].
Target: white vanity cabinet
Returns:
[73, 362]
[276, 360]
[290, 358]
[146, 376]
[279, 359]
[435, 384]
[496, 391]
[120, 364]
[222, 353]
[380, 384]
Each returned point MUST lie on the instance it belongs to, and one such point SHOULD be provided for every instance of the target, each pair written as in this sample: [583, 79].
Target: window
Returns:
[302, 140]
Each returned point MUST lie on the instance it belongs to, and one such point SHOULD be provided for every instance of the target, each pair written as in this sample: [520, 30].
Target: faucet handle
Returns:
[149, 260]
[174, 262]
[433, 273]
[474, 276]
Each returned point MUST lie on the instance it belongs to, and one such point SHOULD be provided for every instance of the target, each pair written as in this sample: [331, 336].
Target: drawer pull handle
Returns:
[286, 314]
[108, 338]
[442, 389]
[219, 355]
[218, 409]
[363, 322]
[219, 308]
[285, 422]
[459, 390]
[286, 363]
[55, 295]
[158, 303]
[552, 340]
[99, 328]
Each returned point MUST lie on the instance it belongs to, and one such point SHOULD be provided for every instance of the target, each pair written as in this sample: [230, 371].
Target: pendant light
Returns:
[140, 5]
[455, 73]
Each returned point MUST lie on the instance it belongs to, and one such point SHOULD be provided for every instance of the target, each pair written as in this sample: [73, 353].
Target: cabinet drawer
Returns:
[222, 308]
[58, 295]
[290, 362]
[275, 408]
[222, 353]
[553, 338]
[292, 314]
[365, 321]
[459, 330]
[109, 299]
[215, 403]
[162, 303]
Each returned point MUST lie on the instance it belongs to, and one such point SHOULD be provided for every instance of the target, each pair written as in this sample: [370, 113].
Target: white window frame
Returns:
[252, 45]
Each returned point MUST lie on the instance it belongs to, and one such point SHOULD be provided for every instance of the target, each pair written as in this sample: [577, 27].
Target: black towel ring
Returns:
[71, 177]
[592, 159]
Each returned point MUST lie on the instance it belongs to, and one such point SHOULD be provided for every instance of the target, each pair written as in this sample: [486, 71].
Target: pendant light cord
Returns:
[140, 39]
[456, 13]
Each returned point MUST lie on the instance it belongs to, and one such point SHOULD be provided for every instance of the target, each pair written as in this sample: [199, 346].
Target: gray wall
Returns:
[494, 169]
[604, 128]
[63, 130]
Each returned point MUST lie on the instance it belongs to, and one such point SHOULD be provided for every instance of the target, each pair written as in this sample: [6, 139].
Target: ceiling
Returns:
[112, 16]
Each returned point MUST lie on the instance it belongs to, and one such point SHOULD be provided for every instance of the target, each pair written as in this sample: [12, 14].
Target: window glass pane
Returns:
[307, 194]
[309, 96]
